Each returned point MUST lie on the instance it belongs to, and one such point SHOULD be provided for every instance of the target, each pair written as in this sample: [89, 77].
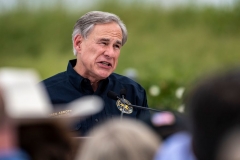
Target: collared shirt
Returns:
[67, 86]
[15, 154]
[176, 147]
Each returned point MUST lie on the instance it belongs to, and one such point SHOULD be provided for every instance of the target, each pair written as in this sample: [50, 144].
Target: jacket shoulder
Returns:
[57, 78]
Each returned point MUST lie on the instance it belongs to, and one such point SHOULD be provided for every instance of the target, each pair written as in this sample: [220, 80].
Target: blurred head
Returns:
[120, 139]
[46, 139]
[97, 40]
[214, 107]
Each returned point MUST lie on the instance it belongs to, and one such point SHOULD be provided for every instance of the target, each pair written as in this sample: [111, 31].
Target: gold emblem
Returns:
[125, 108]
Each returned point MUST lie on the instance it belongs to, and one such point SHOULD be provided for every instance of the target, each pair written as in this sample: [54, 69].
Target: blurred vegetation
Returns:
[169, 48]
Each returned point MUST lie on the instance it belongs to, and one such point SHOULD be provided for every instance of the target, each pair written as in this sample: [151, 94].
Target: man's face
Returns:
[98, 54]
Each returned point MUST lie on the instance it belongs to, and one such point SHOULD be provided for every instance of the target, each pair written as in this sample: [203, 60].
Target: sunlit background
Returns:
[171, 43]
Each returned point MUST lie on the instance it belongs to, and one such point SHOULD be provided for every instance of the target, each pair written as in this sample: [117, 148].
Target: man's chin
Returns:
[104, 75]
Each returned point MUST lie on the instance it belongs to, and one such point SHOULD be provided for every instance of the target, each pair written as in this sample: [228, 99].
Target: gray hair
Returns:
[85, 24]
[126, 139]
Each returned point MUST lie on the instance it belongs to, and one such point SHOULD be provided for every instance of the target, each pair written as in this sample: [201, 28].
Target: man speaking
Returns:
[97, 40]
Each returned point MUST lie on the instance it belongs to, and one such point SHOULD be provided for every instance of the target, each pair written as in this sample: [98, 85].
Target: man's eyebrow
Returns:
[104, 39]
[107, 40]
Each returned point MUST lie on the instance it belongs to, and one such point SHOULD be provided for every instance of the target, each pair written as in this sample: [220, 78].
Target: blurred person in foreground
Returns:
[26, 128]
[126, 139]
[174, 129]
[9, 142]
[97, 40]
[214, 109]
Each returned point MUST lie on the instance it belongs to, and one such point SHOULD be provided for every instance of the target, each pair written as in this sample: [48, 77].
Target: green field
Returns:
[168, 48]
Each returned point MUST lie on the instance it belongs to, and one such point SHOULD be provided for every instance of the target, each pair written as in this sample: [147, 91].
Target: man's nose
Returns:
[109, 52]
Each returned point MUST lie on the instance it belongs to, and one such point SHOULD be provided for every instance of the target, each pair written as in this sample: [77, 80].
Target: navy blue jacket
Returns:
[67, 86]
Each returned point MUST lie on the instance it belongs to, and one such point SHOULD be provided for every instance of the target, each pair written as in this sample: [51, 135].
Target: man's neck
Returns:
[94, 85]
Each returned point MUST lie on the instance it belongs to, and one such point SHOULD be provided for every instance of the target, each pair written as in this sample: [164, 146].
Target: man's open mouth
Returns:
[106, 63]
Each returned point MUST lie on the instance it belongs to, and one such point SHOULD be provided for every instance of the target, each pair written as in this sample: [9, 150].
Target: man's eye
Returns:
[117, 46]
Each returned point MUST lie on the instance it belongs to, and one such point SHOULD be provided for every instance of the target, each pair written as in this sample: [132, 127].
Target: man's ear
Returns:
[77, 42]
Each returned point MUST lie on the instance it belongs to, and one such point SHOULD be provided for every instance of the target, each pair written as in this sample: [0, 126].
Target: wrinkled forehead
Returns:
[107, 26]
